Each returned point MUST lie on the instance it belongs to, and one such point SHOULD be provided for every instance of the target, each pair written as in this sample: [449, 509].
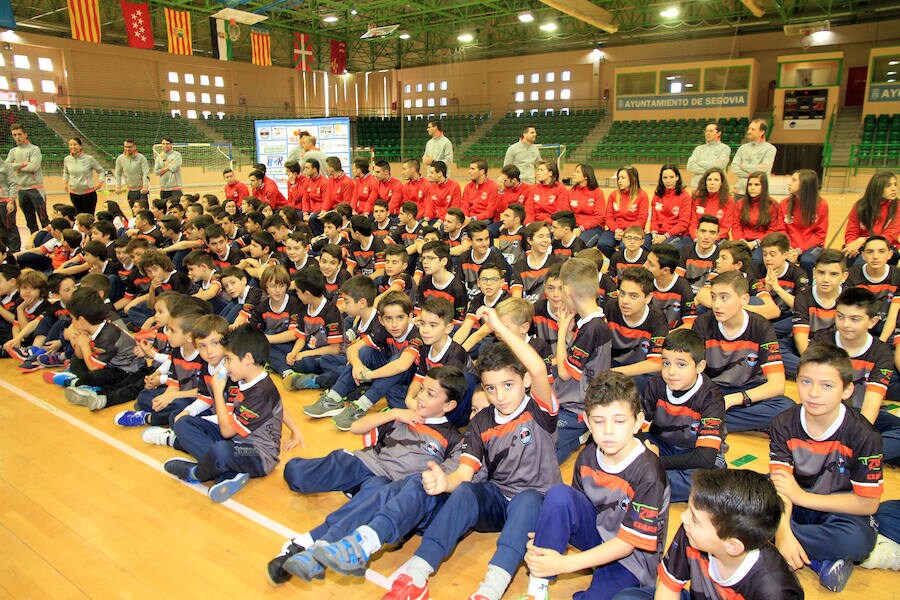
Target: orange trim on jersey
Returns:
[819, 447]
[506, 428]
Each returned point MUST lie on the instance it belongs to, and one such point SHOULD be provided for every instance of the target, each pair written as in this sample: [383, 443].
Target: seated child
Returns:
[48, 336]
[395, 276]
[9, 300]
[440, 282]
[386, 359]
[582, 359]
[236, 284]
[399, 444]
[881, 278]
[781, 278]
[480, 253]
[617, 508]
[630, 254]
[331, 261]
[546, 321]
[699, 258]
[735, 256]
[672, 294]
[206, 285]
[320, 329]
[518, 474]
[510, 240]
[246, 440]
[742, 356]
[684, 413]
[490, 284]
[530, 272]
[565, 239]
[158, 268]
[825, 462]
[33, 308]
[723, 547]
[365, 254]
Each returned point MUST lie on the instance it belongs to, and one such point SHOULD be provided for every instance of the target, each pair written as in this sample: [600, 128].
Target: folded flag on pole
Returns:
[338, 57]
[261, 43]
[221, 38]
[178, 27]
[137, 24]
[84, 16]
[303, 54]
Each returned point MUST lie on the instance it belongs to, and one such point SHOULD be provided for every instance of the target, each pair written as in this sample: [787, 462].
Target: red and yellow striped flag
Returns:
[178, 26]
[261, 42]
[84, 16]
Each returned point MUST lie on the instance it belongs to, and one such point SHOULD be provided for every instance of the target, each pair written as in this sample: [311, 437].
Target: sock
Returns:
[333, 396]
[304, 539]
[368, 539]
[419, 570]
[495, 583]
[364, 402]
[537, 587]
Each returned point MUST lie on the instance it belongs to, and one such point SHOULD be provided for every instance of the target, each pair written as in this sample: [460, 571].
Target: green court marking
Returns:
[740, 462]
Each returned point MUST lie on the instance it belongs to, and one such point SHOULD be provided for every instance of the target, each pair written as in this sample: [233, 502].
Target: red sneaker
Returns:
[405, 589]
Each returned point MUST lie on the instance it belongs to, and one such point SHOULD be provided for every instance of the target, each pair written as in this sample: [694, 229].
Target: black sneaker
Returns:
[275, 572]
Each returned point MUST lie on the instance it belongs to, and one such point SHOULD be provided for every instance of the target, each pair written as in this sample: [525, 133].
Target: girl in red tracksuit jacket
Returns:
[626, 206]
[670, 216]
[805, 216]
[757, 214]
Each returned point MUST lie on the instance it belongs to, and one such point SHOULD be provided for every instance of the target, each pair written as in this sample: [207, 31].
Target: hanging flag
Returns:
[137, 24]
[303, 54]
[261, 43]
[178, 27]
[7, 18]
[221, 38]
[84, 16]
[338, 57]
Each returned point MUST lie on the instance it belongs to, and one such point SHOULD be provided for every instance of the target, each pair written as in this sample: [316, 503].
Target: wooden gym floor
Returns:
[87, 512]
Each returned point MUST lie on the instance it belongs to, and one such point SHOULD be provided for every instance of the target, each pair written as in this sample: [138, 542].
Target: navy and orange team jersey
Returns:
[676, 302]
[518, 450]
[257, 417]
[393, 347]
[396, 450]
[477, 302]
[365, 260]
[530, 273]
[453, 242]
[152, 235]
[320, 326]
[545, 351]
[695, 267]
[468, 268]
[873, 366]
[632, 502]
[686, 419]
[371, 326]
[588, 355]
[742, 362]
[382, 231]
[333, 285]
[636, 342]
[38, 311]
[567, 251]
[608, 290]
[764, 574]
[811, 314]
[204, 384]
[545, 324]
[884, 288]
[619, 262]
[402, 281]
[292, 267]
[406, 236]
[273, 320]
[846, 458]
[792, 279]
[184, 370]
[453, 290]
[450, 354]
[112, 348]
[512, 244]
[136, 284]
[176, 281]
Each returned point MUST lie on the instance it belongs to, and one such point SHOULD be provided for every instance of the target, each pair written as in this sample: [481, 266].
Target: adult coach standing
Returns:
[439, 147]
[133, 172]
[25, 160]
[524, 154]
[712, 154]
[756, 155]
[9, 190]
[168, 167]
[78, 177]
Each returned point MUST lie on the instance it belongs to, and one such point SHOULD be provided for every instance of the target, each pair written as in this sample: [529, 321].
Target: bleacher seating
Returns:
[384, 133]
[662, 141]
[880, 144]
[569, 129]
[53, 148]
[238, 129]
[107, 128]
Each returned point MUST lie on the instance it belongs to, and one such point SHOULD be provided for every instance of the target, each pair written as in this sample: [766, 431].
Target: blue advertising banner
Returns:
[274, 139]
[682, 101]
[884, 92]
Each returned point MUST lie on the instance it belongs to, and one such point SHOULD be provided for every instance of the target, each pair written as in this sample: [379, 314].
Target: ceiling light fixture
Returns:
[466, 38]
[894, 62]
[330, 19]
[548, 27]
[526, 17]
[404, 36]
[353, 12]
[669, 13]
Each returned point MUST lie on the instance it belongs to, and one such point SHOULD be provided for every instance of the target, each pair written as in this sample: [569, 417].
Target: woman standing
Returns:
[78, 177]
[805, 217]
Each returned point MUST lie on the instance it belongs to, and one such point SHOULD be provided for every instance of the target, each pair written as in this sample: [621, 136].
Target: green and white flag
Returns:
[223, 33]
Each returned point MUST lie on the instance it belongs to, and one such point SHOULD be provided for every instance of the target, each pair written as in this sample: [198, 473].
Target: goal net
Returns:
[553, 152]
[203, 155]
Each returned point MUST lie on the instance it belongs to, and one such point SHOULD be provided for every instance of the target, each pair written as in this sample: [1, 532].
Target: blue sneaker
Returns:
[23, 353]
[51, 360]
[833, 574]
[29, 365]
[346, 556]
[223, 490]
[183, 469]
[60, 378]
[305, 566]
[302, 381]
[133, 418]
[275, 571]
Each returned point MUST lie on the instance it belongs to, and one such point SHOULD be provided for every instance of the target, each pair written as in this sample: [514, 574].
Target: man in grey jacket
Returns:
[709, 155]
[756, 155]
[524, 154]
[25, 161]
[9, 191]
[439, 147]
[132, 172]
[168, 166]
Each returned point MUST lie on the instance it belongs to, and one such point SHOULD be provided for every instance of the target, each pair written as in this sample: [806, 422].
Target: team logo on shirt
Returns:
[645, 346]
[624, 503]
[525, 435]
[752, 359]
[432, 448]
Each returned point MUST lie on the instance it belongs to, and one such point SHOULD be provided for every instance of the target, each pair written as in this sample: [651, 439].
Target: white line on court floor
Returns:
[274, 526]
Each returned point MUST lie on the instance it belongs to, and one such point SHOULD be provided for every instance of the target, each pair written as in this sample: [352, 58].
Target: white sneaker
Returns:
[159, 436]
[886, 555]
